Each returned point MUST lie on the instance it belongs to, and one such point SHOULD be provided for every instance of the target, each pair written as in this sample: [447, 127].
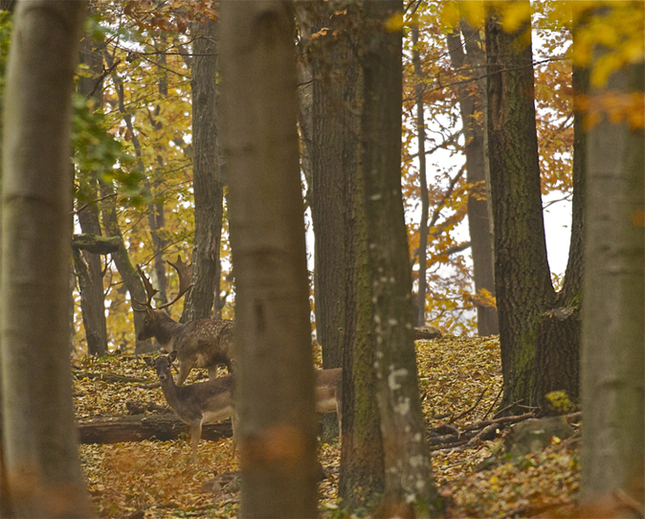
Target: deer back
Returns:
[207, 342]
[209, 401]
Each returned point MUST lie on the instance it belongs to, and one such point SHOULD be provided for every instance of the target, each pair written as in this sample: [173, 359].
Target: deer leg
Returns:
[195, 435]
[184, 369]
[339, 415]
[212, 372]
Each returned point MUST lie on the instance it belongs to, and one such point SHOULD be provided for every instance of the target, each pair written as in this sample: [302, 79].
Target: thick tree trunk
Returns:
[471, 103]
[333, 152]
[39, 440]
[342, 286]
[612, 337]
[208, 186]
[557, 351]
[522, 281]
[408, 473]
[275, 391]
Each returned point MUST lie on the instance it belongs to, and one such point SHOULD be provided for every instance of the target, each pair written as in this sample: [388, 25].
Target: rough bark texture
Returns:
[557, 354]
[408, 472]
[471, 103]
[39, 439]
[342, 285]
[333, 130]
[612, 337]
[277, 426]
[208, 186]
[523, 285]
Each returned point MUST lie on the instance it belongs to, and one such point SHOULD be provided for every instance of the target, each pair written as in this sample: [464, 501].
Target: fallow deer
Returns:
[196, 404]
[214, 400]
[203, 343]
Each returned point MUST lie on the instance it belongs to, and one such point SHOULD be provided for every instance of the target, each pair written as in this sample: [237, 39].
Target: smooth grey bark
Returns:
[208, 186]
[408, 471]
[39, 438]
[612, 455]
[275, 394]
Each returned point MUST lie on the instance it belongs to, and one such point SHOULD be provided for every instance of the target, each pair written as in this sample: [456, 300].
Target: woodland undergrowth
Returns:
[460, 381]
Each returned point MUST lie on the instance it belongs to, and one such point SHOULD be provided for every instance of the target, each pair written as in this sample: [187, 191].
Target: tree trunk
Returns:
[408, 473]
[87, 264]
[39, 440]
[522, 281]
[612, 456]
[334, 128]
[419, 319]
[275, 391]
[342, 287]
[155, 213]
[128, 273]
[471, 104]
[557, 353]
[208, 186]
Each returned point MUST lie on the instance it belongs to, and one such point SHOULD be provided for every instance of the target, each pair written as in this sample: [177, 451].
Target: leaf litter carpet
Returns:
[460, 381]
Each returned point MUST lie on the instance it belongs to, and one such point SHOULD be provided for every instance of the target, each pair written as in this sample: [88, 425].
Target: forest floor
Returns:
[460, 381]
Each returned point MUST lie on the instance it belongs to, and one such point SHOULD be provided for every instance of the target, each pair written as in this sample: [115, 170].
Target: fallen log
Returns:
[109, 377]
[136, 428]
[96, 244]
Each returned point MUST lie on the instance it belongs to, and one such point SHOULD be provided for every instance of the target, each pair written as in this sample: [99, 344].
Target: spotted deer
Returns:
[203, 343]
[214, 400]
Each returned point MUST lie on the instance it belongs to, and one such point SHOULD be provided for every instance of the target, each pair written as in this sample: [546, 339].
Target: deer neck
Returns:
[170, 391]
[166, 328]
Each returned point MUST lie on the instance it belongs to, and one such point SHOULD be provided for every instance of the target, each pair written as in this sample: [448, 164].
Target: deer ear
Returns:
[172, 355]
[148, 361]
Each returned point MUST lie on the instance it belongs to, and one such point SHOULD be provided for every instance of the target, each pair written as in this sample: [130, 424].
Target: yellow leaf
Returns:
[602, 69]
[515, 15]
[449, 16]
[474, 12]
[394, 23]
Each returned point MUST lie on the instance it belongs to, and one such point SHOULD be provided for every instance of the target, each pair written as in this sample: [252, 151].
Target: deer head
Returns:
[153, 314]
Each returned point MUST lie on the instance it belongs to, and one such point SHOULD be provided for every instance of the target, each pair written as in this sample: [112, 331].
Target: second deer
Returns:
[203, 343]
[214, 400]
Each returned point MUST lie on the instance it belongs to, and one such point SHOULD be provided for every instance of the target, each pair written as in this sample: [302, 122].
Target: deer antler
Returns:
[150, 291]
[183, 271]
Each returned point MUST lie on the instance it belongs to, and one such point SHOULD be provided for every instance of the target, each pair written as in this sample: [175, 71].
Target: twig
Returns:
[495, 402]
[501, 411]
[100, 79]
[454, 419]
